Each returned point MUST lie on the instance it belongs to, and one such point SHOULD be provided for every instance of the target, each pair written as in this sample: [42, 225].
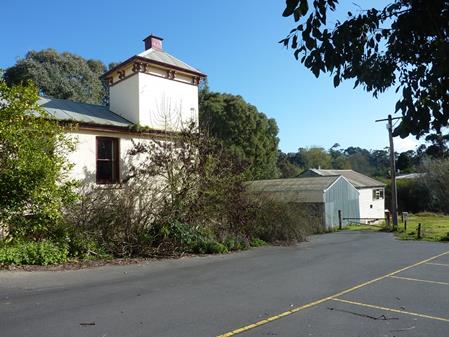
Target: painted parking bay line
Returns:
[325, 299]
[444, 319]
[438, 264]
[418, 280]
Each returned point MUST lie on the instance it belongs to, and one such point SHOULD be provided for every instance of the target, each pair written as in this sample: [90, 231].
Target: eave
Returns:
[144, 60]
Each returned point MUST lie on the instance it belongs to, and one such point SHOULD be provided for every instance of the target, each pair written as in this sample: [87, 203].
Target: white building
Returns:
[152, 94]
[372, 192]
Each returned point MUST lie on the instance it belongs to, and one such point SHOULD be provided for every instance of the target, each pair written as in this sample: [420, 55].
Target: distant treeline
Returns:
[374, 163]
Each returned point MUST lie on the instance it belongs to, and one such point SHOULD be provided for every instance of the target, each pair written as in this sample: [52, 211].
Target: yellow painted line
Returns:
[444, 319]
[419, 280]
[439, 264]
[325, 299]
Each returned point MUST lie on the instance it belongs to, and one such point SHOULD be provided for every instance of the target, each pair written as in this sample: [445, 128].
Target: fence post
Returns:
[419, 231]
[387, 218]
[405, 225]
[340, 220]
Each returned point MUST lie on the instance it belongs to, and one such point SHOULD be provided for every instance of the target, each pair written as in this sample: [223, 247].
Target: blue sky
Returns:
[233, 41]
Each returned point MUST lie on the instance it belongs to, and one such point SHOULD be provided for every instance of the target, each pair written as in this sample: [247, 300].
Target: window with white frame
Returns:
[378, 193]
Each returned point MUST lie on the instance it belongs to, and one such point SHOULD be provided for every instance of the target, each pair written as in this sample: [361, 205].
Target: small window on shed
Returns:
[108, 160]
[378, 193]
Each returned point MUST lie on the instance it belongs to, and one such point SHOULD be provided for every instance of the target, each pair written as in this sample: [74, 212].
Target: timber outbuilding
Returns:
[325, 195]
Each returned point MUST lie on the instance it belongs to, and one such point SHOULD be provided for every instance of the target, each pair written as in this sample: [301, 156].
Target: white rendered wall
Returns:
[84, 156]
[156, 102]
[166, 104]
[370, 208]
[124, 98]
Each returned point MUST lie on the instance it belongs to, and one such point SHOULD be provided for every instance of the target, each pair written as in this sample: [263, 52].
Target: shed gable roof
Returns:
[357, 179]
[66, 110]
[305, 190]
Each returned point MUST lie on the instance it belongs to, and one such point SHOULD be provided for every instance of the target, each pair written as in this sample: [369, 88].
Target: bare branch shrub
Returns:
[199, 180]
[188, 195]
[119, 219]
[436, 180]
[285, 223]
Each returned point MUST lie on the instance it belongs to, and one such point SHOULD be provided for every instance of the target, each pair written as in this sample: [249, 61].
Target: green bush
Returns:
[445, 238]
[81, 245]
[257, 242]
[191, 239]
[209, 247]
[277, 222]
[38, 253]
[34, 186]
[236, 242]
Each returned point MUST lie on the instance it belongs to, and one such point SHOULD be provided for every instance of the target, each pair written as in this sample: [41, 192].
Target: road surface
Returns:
[340, 284]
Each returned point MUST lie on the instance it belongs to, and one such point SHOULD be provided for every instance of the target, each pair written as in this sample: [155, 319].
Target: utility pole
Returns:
[394, 194]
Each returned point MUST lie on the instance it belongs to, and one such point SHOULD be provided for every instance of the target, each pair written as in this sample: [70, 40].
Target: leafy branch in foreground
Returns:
[403, 45]
[33, 186]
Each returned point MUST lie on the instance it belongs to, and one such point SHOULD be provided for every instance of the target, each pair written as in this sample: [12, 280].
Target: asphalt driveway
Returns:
[339, 284]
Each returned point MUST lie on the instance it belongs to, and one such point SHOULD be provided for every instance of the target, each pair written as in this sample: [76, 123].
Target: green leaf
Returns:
[316, 70]
[304, 7]
[290, 7]
[295, 42]
[336, 80]
[297, 14]
[296, 54]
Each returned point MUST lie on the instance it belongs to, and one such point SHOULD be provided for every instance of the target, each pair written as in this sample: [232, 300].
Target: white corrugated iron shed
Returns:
[330, 193]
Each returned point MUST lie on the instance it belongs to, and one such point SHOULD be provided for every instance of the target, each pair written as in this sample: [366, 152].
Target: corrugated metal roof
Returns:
[357, 179]
[293, 190]
[65, 110]
[164, 57]
[411, 176]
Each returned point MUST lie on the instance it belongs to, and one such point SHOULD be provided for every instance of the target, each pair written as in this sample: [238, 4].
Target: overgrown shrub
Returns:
[257, 242]
[445, 238]
[436, 180]
[118, 220]
[40, 253]
[236, 242]
[188, 196]
[188, 238]
[277, 222]
[428, 193]
[413, 196]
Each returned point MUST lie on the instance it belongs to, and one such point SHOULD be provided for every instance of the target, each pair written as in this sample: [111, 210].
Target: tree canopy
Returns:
[248, 133]
[403, 45]
[60, 75]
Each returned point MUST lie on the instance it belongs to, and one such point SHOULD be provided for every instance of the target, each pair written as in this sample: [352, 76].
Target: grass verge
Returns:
[434, 227]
